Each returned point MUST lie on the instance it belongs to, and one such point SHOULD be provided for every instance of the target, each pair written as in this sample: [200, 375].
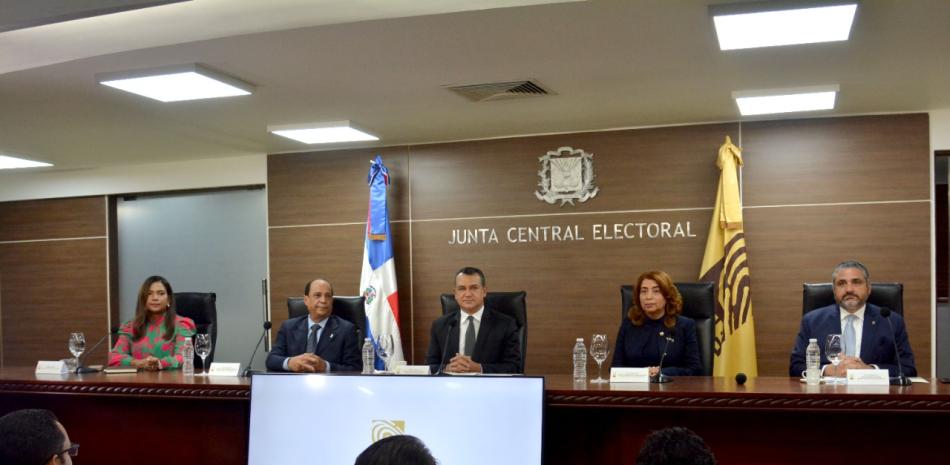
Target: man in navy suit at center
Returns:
[318, 342]
[476, 339]
[871, 338]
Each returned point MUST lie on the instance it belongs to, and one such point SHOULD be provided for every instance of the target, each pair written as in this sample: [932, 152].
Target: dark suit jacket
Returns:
[338, 344]
[642, 346]
[497, 347]
[877, 343]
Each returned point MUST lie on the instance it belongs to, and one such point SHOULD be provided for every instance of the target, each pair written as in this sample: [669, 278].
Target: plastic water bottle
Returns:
[188, 364]
[813, 361]
[369, 357]
[580, 361]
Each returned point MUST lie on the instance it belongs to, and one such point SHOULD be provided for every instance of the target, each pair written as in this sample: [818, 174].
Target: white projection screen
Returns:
[330, 419]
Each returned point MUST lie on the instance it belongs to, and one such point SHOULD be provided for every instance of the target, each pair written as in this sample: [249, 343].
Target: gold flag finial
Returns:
[728, 140]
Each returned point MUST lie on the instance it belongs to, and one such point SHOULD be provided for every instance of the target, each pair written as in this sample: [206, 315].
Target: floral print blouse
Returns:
[167, 350]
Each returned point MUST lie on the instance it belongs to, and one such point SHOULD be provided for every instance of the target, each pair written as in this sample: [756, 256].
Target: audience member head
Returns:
[34, 437]
[397, 450]
[655, 294]
[470, 290]
[675, 446]
[156, 298]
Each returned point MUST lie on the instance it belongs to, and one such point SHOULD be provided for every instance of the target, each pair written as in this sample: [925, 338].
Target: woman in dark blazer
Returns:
[654, 324]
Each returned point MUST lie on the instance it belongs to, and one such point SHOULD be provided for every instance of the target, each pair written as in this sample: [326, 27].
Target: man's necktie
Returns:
[312, 339]
[850, 344]
[470, 336]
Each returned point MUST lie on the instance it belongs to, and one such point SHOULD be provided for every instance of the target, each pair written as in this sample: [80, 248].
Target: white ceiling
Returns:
[383, 64]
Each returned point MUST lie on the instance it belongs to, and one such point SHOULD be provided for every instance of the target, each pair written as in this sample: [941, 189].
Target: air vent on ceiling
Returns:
[500, 90]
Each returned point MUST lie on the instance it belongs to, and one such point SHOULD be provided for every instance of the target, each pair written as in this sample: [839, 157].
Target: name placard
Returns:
[629, 375]
[50, 367]
[871, 377]
[421, 370]
[224, 369]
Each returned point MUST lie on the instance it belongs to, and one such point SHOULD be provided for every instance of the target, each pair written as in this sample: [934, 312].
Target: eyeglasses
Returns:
[72, 451]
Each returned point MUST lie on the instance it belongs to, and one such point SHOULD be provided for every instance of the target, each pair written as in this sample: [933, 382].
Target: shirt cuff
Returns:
[328, 365]
[286, 364]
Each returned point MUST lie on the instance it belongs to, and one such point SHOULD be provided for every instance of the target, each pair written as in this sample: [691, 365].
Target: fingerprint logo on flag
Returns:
[382, 429]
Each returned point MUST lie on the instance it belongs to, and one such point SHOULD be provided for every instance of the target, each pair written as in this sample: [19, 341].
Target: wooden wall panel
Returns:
[790, 246]
[49, 219]
[330, 187]
[655, 168]
[828, 160]
[49, 290]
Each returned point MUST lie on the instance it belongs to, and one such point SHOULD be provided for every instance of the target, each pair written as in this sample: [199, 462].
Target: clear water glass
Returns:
[203, 349]
[598, 351]
[77, 344]
[384, 349]
[833, 349]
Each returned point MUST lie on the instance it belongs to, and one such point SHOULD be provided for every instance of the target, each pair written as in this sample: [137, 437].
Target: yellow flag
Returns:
[727, 264]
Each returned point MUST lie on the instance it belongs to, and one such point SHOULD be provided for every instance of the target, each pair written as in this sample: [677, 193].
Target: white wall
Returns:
[940, 129]
[153, 177]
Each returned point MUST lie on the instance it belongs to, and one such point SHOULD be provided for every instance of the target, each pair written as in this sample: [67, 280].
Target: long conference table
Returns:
[164, 417]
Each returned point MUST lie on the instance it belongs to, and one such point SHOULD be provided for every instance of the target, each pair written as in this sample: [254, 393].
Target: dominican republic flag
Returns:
[378, 280]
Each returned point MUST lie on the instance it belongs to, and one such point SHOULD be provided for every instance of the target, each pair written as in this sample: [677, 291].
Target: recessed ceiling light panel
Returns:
[322, 133]
[772, 101]
[8, 162]
[176, 83]
[772, 24]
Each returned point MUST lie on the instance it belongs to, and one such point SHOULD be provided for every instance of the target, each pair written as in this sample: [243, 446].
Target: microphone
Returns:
[445, 346]
[901, 379]
[247, 370]
[660, 377]
[741, 378]
[80, 369]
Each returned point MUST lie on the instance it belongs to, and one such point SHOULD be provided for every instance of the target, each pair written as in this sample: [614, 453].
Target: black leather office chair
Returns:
[699, 304]
[817, 295]
[512, 304]
[350, 308]
[201, 307]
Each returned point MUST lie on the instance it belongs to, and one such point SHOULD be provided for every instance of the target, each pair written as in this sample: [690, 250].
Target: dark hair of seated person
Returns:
[675, 446]
[397, 450]
[29, 437]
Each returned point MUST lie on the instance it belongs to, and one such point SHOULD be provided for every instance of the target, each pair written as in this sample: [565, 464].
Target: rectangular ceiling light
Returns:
[771, 101]
[7, 163]
[322, 133]
[176, 83]
[769, 24]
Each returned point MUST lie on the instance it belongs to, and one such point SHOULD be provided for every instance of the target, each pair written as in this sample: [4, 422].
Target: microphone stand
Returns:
[660, 378]
[900, 379]
[80, 369]
[247, 370]
[445, 347]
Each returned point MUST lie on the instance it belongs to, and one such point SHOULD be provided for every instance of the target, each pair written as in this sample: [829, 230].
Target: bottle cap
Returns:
[813, 340]
[580, 339]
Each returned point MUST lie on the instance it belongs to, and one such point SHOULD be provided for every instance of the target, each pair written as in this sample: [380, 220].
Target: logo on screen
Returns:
[382, 429]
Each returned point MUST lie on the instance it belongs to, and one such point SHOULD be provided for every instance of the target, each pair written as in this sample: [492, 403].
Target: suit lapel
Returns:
[327, 336]
[869, 331]
[484, 329]
[300, 337]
